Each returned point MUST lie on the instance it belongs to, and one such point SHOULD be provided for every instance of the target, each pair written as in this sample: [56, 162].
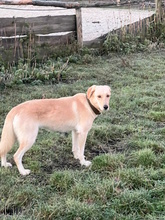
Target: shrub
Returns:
[126, 44]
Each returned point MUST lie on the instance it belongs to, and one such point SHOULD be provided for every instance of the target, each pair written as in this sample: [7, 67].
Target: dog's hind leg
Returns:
[4, 162]
[25, 143]
[8, 139]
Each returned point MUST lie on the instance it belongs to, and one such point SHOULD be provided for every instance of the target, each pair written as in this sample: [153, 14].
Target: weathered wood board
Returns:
[34, 47]
[28, 38]
[37, 25]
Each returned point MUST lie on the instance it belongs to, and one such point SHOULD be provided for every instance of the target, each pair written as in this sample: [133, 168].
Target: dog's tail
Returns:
[8, 137]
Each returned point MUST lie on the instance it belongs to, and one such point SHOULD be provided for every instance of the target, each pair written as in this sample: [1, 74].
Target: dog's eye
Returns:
[108, 96]
[99, 96]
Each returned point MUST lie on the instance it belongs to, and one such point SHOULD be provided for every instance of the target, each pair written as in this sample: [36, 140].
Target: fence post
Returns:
[159, 10]
[79, 27]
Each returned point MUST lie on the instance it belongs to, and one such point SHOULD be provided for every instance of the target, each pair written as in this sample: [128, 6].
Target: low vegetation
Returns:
[126, 145]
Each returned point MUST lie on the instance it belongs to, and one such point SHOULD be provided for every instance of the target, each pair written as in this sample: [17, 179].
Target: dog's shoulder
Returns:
[80, 97]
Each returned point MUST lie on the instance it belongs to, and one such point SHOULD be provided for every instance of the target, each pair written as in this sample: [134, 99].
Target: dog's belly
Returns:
[63, 126]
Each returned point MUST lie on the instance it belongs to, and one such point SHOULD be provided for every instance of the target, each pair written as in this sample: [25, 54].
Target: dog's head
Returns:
[99, 97]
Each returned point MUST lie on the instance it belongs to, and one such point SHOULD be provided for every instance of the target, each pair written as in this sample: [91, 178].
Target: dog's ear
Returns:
[90, 91]
[109, 89]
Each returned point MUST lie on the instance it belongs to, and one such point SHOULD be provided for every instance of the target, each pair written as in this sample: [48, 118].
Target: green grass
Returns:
[126, 145]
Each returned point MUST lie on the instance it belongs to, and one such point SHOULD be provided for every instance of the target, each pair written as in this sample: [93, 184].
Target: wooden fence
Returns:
[27, 37]
[30, 38]
[138, 28]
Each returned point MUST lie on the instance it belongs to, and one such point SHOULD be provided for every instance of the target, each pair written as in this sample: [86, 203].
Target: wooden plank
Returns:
[42, 3]
[159, 9]
[56, 3]
[16, 2]
[37, 47]
[39, 40]
[37, 25]
[79, 27]
[55, 40]
[76, 4]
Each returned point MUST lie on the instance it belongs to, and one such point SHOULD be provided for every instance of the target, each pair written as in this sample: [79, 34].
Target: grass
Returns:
[126, 145]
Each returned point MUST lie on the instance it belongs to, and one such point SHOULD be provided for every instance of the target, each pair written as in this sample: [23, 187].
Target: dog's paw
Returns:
[76, 156]
[25, 172]
[7, 165]
[86, 163]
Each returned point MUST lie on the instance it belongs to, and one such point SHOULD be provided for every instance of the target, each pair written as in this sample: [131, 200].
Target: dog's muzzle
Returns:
[105, 107]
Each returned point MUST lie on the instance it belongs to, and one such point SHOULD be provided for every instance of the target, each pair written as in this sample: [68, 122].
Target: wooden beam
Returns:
[16, 2]
[37, 25]
[159, 9]
[56, 3]
[79, 27]
[68, 4]
[42, 3]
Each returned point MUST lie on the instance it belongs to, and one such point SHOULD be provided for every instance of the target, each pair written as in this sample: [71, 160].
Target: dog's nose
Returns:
[105, 107]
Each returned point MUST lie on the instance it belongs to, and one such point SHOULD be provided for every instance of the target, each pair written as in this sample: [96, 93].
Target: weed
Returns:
[128, 44]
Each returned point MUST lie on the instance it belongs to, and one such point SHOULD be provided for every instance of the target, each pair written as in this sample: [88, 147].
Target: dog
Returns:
[75, 113]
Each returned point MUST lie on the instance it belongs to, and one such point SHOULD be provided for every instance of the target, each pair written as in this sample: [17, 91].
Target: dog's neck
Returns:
[95, 110]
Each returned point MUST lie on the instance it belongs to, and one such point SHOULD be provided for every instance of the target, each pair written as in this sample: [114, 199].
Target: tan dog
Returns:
[75, 114]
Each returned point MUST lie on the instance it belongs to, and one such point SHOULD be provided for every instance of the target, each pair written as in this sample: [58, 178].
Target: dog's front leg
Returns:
[81, 145]
[75, 148]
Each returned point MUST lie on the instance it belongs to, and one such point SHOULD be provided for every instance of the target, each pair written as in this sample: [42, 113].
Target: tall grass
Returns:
[126, 145]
